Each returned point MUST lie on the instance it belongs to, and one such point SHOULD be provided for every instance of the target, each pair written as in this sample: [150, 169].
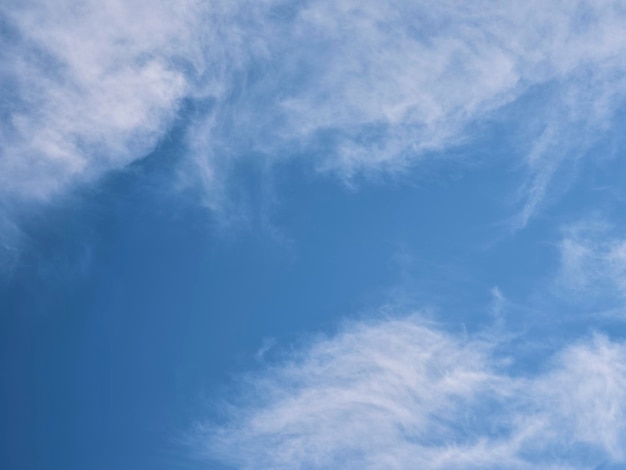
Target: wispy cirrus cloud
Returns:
[88, 88]
[592, 262]
[357, 87]
[364, 87]
[401, 394]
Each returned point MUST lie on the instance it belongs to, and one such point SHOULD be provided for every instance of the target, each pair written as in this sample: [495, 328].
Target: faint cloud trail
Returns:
[358, 87]
[400, 393]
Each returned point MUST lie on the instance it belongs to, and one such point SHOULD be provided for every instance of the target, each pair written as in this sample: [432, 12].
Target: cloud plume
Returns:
[367, 87]
[592, 263]
[357, 86]
[89, 87]
[403, 394]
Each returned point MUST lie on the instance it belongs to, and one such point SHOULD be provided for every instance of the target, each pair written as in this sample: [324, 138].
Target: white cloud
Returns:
[364, 86]
[9, 241]
[88, 86]
[402, 394]
[593, 262]
[369, 86]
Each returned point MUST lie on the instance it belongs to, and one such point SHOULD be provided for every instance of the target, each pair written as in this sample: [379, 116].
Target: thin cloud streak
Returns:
[90, 87]
[593, 262]
[359, 87]
[403, 394]
[367, 87]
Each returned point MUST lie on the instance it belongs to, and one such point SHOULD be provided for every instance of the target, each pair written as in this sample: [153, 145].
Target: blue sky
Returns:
[312, 234]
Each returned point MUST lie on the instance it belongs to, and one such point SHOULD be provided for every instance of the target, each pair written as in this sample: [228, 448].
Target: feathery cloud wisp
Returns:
[89, 87]
[593, 262]
[360, 86]
[364, 86]
[402, 394]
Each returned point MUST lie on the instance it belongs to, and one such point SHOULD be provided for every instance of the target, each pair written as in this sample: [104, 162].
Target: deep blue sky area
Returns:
[313, 235]
[130, 307]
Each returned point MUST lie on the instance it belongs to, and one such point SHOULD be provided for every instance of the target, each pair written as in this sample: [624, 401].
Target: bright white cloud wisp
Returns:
[400, 394]
[358, 86]
[593, 262]
[89, 87]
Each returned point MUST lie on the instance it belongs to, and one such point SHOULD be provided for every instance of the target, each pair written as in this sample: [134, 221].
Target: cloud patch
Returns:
[403, 394]
[366, 87]
[592, 263]
[358, 87]
[88, 88]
